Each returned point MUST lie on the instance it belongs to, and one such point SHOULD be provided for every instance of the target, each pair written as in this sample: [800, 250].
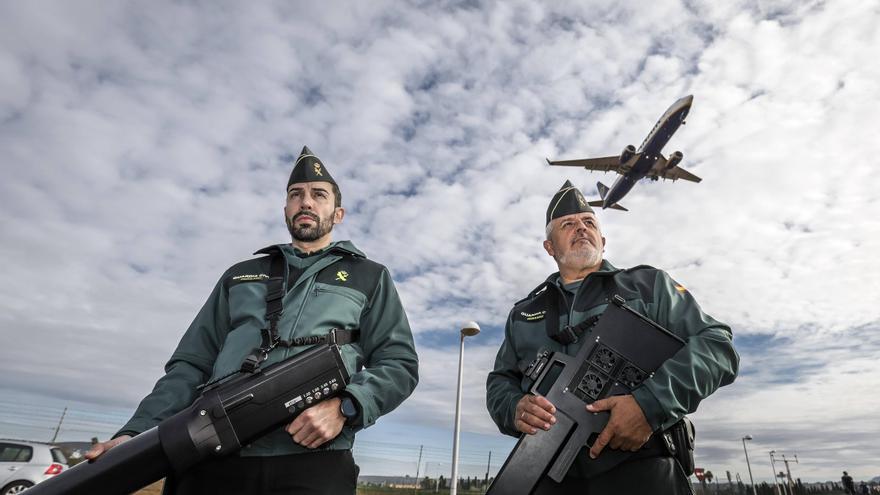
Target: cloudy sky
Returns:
[145, 148]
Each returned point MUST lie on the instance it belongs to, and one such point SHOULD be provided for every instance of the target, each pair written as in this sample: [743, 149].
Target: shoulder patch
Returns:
[533, 307]
[536, 316]
[252, 270]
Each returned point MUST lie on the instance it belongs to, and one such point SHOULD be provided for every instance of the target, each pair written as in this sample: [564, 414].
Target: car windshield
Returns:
[58, 456]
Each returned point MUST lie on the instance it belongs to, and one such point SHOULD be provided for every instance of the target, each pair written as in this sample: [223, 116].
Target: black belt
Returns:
[654, 447]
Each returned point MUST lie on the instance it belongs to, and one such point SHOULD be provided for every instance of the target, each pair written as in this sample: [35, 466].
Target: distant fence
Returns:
[423, 467]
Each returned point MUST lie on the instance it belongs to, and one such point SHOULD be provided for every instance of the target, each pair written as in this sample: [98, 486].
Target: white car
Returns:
[24, 464]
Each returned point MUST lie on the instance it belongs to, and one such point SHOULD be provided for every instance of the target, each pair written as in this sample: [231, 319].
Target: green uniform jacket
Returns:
[338, 288]
[706, 362]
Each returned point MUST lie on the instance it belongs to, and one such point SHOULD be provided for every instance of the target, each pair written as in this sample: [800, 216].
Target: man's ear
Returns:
[548, 246]
[338, 215]
[603, 244]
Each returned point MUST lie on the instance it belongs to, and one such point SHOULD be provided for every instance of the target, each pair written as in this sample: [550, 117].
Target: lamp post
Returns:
[749, 437]
[468, 330]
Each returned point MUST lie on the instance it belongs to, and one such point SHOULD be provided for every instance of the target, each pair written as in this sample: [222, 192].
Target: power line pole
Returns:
[788, 471]
[488, 465]
[419, 465]
[58, 428]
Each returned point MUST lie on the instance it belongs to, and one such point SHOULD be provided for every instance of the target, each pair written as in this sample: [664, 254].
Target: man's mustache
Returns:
[306, 214]
[582, 238]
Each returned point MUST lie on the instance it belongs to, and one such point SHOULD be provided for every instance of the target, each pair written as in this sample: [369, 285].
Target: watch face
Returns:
[348, 408]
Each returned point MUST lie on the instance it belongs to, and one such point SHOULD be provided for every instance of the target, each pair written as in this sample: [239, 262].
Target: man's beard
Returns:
[319, 229]
[583, 256]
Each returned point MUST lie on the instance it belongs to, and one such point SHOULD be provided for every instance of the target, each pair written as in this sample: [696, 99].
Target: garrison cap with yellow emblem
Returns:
[309, 168]
[566, 201]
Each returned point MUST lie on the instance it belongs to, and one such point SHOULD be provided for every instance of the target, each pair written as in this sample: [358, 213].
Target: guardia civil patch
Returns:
[250, 278]
[533, 316]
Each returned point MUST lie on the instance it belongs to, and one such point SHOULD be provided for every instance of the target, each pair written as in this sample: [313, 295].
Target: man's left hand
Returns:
[318, 424]
[627, 429]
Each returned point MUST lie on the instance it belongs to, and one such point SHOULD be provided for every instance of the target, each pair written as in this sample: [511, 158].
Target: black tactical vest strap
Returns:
[274, 297]
[274, 309]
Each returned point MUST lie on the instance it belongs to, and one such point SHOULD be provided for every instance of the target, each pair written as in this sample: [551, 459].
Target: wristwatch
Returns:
[348, 408]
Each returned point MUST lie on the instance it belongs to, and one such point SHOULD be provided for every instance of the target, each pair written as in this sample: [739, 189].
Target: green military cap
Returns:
[309, 168]
[566, 201]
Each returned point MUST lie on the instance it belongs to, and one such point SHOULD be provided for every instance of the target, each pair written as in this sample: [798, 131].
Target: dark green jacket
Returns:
[338, 288]
[707, 362]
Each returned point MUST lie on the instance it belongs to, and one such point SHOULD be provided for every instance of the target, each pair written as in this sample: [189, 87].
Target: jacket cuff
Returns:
[366, 406]
[508, 426]
[651, 407]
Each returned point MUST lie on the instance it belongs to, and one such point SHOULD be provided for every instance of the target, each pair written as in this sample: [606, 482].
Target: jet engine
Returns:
[627, 153]
[674, 160]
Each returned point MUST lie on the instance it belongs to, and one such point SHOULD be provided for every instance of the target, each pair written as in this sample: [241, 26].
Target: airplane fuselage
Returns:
[648, 153]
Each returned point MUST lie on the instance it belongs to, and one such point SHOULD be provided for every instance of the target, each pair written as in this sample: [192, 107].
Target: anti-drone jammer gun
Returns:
[227, 416]
[624, 348]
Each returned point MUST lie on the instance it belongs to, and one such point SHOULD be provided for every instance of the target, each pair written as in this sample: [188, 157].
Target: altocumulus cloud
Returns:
[145, 149]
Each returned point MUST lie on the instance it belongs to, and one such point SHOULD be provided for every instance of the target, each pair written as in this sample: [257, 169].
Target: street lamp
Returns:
[749, 437]
[468, 330]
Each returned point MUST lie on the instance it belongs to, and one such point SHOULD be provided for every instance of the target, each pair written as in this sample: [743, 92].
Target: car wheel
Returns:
[16, 487]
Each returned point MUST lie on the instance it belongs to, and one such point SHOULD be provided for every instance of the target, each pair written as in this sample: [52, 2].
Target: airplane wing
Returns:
[677, 172]
[604, 164]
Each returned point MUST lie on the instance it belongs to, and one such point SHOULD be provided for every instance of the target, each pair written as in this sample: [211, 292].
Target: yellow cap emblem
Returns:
[318, 170]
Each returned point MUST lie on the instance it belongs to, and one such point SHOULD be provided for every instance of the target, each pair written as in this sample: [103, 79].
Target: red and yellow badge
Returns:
[680, 288]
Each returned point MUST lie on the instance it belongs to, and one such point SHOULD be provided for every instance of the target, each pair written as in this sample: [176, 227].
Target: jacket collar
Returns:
[606, 269]
[338, 247]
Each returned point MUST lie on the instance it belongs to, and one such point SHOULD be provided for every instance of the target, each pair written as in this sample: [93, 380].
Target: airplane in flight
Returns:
[647, 161]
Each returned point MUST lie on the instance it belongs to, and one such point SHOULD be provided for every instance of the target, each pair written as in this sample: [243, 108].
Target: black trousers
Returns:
[649, 476]
[326, 472]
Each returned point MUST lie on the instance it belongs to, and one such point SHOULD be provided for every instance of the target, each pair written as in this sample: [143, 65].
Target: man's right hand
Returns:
[533, 412]
[101, 447]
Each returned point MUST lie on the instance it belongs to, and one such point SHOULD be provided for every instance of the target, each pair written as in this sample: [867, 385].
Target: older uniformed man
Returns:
[579, 291]
[327, 285]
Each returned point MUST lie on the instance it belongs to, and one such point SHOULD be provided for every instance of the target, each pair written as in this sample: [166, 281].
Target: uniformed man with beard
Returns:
[580, 291]
[327, 285]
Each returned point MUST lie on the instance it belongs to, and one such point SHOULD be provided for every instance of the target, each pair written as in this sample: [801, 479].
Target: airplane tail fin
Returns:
[603, 190]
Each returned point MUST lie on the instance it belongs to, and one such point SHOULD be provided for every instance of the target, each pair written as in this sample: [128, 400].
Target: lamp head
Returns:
[747, 437]
[470, 329]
